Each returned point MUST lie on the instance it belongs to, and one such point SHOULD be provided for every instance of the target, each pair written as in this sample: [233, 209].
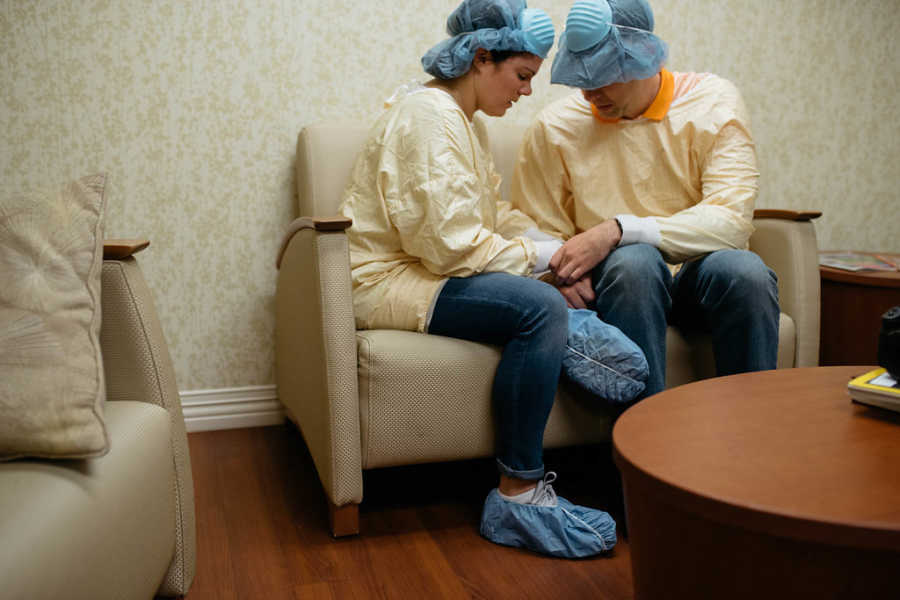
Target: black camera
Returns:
[889, 342]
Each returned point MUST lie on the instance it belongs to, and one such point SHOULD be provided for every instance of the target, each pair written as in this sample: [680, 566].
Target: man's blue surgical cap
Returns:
[503, 25]
[607, 41]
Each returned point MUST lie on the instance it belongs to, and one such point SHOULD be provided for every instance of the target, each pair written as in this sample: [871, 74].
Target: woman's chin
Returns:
[499, 111]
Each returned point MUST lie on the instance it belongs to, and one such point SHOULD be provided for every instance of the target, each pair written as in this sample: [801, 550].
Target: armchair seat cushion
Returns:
[689, 355]
[427, 398]
[92, 528]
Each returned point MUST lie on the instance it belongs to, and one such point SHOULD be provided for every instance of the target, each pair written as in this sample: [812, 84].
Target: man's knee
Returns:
[747, 276]
[636, 270]
[637, 256]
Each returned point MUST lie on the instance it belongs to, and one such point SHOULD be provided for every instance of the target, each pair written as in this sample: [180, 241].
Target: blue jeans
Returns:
[529, 319]
[730, 294]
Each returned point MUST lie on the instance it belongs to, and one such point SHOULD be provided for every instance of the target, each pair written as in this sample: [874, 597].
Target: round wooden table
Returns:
[762, 485]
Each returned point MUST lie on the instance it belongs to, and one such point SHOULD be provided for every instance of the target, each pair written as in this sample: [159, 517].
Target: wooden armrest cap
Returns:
[317, 223]
[788, 215]
[331, 223]
[116, 249]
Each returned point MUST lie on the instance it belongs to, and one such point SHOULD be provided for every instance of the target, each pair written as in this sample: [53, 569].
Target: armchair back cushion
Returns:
[321, 176]
[326, 154]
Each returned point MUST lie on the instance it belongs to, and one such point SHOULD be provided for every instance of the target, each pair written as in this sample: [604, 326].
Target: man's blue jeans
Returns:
[730, 294]
[529, 319]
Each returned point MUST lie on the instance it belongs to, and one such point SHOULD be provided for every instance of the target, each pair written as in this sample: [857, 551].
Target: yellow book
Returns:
[876, 388]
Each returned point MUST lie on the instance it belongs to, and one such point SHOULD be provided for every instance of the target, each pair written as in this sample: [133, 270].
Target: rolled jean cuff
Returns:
[531, 475]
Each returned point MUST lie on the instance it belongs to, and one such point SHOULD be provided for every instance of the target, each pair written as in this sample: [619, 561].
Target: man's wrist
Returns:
[619, 227]
[608, 232]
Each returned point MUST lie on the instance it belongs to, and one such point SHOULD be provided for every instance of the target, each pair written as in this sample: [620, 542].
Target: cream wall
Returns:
[193, 109]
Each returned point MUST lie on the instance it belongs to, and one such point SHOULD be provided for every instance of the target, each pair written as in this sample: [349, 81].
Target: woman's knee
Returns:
[542, 306]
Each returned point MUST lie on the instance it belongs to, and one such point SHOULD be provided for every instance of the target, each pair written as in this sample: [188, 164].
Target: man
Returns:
[644, 167]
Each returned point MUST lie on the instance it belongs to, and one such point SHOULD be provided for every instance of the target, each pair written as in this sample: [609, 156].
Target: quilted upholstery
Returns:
[138, 368]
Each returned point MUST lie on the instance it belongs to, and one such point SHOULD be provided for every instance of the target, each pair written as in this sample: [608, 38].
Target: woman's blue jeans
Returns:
[529, 319]
[730, 294]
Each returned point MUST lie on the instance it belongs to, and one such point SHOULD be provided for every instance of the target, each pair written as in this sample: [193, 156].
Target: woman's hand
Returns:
[579, 294]
[581, 253]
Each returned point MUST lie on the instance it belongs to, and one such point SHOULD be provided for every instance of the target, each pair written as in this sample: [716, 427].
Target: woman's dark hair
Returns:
[498, 56]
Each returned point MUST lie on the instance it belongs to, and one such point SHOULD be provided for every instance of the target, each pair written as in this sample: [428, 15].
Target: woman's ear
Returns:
[482, 58]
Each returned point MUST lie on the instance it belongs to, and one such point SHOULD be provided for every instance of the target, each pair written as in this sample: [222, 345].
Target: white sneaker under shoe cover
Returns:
[544, 494]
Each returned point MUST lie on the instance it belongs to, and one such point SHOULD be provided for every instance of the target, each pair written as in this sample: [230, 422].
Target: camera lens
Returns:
[891, 319]
[889, 342]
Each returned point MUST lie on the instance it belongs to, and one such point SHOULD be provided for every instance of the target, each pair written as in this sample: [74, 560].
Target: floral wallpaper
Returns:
[193, 107]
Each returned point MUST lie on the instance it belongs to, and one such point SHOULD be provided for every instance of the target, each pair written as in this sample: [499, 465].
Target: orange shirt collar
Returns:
[659, 108]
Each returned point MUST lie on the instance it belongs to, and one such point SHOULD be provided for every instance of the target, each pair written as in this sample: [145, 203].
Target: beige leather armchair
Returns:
[121, 525]
[379, 398]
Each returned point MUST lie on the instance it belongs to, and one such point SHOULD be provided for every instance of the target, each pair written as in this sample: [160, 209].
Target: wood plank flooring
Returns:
[262, 528]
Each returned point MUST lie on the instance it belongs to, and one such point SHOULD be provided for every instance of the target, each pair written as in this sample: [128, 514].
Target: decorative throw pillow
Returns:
[51, 373]
[602, 359]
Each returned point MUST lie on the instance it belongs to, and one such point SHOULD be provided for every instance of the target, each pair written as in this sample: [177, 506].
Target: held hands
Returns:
[581, 253]
[579, 294]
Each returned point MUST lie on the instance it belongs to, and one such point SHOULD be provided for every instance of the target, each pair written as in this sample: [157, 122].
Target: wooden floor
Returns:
[262, 528]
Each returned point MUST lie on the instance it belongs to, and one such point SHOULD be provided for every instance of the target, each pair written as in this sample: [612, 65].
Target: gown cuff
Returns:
[639, 230]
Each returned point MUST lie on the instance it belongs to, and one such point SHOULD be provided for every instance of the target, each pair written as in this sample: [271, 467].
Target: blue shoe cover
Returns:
[564, 530]
[602, 359]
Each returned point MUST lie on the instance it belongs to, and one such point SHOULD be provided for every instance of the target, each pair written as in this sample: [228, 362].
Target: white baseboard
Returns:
[231, 408]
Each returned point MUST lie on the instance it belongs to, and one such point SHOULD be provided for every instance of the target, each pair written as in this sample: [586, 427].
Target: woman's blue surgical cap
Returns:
[607, 41]
[503, 25]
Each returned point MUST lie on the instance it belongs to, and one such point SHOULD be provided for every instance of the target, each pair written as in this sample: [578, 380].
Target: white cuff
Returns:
[539, 236]
[639, 230]
[545, 251]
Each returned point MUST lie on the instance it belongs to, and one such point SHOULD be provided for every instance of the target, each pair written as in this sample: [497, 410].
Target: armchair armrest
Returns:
[787, 215]
[315, 351]
[113, 249]
[138, 367]
[786, 242]
[316, 223]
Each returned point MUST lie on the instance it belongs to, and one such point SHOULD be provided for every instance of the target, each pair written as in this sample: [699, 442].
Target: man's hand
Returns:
[579, 294]
[584, 251]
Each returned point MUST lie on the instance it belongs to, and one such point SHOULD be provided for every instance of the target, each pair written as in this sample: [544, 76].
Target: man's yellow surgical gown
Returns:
[694, 171]
[424, 197]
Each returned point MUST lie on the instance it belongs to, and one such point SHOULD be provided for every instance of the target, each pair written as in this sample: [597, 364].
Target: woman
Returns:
[433, 249]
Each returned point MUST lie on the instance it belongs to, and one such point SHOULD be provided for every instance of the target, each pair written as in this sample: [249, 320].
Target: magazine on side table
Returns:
[876, 388]
[857, 261]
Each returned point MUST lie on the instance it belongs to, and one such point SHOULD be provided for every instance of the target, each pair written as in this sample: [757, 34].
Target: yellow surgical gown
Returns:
[694, 171]
[424, 197]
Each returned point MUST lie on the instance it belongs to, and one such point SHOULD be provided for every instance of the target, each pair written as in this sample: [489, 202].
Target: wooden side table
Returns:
[852, 305]
[762, 485]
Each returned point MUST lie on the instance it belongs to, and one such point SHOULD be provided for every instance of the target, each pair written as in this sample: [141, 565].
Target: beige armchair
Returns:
[120, 525]
[380, 398]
